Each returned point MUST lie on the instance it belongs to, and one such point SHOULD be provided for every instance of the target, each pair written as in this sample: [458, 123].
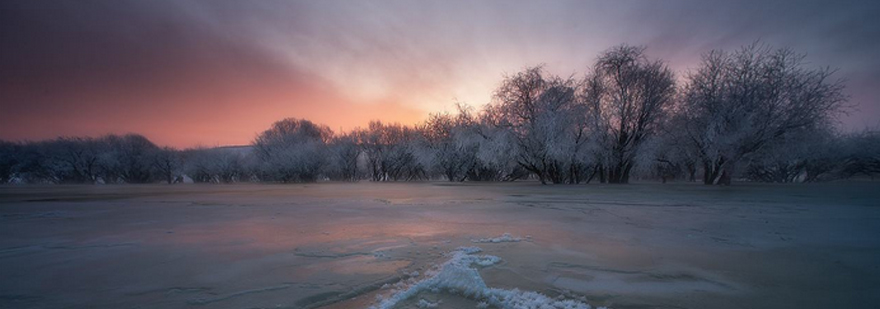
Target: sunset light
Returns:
[450, 154]
[188, 73]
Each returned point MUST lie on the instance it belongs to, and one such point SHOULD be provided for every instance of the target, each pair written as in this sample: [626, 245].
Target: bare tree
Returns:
[738, 103]
[631, 97]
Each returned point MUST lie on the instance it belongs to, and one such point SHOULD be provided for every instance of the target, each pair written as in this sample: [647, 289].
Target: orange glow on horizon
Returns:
[220, 128]
[207, 73]
[225, 111]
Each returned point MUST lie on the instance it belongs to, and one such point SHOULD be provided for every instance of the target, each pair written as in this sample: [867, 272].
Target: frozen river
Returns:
[332, 245]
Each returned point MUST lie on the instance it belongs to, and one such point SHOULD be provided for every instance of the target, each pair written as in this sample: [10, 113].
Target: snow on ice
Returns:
[506, 237]
[458, 276]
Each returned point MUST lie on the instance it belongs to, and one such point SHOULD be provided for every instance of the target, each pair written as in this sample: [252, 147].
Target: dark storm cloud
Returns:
[163, 59]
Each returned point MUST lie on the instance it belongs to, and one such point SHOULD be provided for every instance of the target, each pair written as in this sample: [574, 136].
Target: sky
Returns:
[211, 73]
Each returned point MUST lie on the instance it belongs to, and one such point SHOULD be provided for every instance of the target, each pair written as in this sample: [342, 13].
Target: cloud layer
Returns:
[212, 72]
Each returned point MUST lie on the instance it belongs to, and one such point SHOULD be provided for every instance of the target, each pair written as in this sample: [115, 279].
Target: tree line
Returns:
[756, 113]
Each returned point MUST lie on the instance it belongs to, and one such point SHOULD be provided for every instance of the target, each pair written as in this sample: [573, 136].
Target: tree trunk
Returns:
[692, 172]
[710, 172]
[592, 174]
[724, 179]
[627, 169]
[722, 173]
[619, 174]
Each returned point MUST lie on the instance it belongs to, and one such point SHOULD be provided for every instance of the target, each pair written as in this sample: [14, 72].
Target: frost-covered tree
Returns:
[9, 160]
[497, 151]
[219, 165]
[631, 97]
[345, 154]
[451, 145]
[293, 150]
[738, 103]
[33, 163]
[862, 154]
[73, 159]
[392, 152]
[128, 158]
[167, 164]
[199, 165]
[110, 158]
[662, 160]
[673, 154]
[62, 160]
[547, 121]
[804, 155]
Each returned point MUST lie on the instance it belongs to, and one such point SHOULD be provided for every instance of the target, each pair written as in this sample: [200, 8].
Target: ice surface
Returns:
[333, 245]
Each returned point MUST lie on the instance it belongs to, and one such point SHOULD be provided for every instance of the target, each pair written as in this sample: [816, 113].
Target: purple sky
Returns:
[186, 73]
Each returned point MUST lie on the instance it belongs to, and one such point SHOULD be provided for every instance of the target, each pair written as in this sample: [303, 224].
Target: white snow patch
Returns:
[469, 250]
[457, 276]
[506, 237]
[426, 304]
